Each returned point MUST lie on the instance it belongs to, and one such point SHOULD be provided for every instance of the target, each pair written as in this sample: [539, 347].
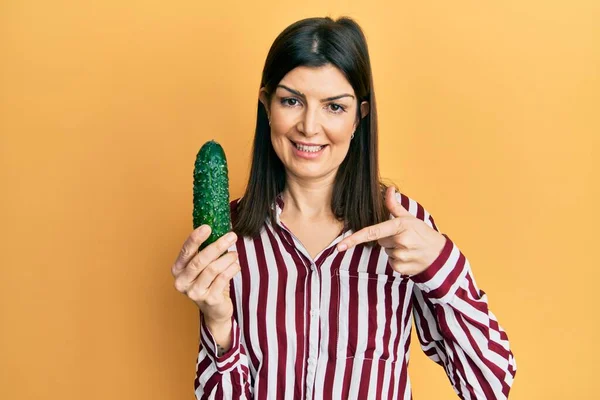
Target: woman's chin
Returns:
[312, 172]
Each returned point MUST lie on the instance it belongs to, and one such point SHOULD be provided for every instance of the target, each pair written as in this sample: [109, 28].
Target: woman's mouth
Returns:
[306, 151]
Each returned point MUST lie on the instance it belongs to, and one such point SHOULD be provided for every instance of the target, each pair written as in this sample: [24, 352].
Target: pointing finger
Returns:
[374, 232]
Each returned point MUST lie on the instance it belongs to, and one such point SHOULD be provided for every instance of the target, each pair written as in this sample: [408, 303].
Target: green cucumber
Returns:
[211, 191]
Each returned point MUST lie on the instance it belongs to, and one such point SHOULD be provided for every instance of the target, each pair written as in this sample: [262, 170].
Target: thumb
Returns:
[393, 204]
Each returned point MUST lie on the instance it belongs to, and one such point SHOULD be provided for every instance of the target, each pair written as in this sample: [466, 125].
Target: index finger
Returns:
[190, 247]
[214, 250]
[374, 232]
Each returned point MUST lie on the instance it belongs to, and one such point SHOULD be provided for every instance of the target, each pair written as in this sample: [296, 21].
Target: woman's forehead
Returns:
[319, 82]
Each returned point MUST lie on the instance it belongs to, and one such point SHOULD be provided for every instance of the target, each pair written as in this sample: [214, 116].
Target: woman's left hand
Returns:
[411, 244]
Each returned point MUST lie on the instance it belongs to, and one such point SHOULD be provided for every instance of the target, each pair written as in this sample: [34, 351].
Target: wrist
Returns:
[220, 331]
[216, 324]
[225, 357]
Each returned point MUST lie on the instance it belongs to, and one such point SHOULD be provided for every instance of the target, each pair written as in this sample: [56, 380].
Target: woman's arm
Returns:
[222, 375]
[457, 329]
[454, 324]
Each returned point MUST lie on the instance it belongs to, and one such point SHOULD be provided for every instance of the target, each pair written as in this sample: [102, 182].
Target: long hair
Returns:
[357, 192]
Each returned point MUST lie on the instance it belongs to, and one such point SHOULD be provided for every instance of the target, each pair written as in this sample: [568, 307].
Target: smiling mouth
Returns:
[307, 149]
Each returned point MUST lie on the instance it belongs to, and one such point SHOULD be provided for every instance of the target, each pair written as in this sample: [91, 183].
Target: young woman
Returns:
[311, 295]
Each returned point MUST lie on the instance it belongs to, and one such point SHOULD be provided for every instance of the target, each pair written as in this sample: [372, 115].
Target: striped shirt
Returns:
[339, 326]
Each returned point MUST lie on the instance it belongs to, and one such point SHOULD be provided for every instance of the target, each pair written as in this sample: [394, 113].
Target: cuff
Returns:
[442, 278]
[231, 358]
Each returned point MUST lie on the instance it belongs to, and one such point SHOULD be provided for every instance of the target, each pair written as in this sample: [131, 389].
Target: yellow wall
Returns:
[489, 117]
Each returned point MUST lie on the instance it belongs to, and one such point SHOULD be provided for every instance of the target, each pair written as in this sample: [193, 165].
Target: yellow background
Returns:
[488, 117]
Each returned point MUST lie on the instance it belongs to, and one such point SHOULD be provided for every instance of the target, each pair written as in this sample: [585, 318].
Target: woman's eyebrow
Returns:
[297, 93]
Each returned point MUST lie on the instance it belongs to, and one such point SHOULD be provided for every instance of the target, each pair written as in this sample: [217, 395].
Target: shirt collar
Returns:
[278, 205]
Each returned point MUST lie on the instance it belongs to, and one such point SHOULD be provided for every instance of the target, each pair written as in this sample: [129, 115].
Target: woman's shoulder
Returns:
[233, 207]
[233, 203]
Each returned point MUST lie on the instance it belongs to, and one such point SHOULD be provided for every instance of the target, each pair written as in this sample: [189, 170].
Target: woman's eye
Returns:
[290, 101]
[336, 108]
[293, 102]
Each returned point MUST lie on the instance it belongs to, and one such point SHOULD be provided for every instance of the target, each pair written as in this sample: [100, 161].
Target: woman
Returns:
[312, 294]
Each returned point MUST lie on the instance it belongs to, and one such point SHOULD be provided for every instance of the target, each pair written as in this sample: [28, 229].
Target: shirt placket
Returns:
[313, 293]
[313, 336]
[311, 313]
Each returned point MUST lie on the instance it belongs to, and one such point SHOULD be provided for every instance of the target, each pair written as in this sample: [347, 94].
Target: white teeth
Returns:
[308, 149]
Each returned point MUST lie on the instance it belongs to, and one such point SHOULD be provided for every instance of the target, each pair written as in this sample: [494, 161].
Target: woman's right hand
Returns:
[204, 276]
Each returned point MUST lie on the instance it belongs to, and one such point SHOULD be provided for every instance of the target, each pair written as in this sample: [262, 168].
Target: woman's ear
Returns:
[364, 109]
[262, 96]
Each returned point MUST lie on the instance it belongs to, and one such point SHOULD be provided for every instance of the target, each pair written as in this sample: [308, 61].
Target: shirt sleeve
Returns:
[225, 376]
[457, 329]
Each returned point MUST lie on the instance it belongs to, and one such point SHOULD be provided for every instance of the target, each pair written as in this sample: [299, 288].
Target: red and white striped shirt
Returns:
[339, 326]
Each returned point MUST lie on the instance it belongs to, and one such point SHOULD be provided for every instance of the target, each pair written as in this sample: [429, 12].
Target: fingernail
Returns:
[342, 247]
[230, 237]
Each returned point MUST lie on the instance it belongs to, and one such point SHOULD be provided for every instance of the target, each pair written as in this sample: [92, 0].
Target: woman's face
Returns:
[313, 116]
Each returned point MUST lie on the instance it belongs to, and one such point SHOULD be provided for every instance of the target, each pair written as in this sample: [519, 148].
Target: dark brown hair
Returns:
[357, 192]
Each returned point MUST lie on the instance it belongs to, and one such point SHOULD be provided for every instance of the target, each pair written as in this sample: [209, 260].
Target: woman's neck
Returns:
[308, 200]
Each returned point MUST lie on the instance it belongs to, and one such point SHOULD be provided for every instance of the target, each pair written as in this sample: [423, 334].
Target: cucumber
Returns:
[211, 191]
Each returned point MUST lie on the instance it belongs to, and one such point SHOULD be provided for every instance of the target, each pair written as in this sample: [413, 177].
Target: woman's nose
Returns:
[309, 124]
